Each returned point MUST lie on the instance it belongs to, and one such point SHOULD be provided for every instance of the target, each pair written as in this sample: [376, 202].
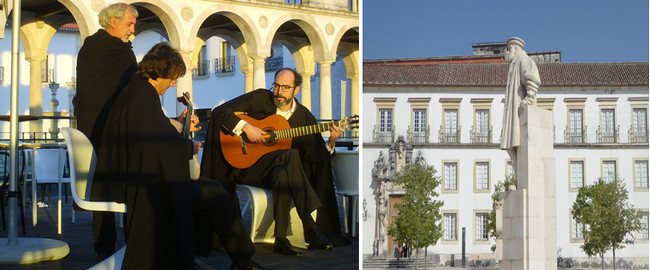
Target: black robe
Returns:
[104, 66]
[316, 160]
[143, 162]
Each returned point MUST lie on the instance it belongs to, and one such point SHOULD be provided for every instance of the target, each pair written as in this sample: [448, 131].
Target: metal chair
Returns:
[82, 168]
[4, 186]
[345, 165]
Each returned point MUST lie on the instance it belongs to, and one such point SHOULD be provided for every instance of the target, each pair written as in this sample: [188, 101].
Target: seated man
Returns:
[306, 165]
[143, 162]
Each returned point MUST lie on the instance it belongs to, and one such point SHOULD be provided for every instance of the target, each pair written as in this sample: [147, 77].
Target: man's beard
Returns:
[279, 104]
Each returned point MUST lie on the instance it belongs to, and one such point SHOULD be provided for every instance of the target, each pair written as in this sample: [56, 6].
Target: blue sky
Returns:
[583, 30]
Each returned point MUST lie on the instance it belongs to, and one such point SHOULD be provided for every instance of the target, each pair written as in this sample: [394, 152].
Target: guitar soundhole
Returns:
[271, 140]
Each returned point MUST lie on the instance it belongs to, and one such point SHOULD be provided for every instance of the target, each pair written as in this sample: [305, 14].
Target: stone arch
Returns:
[244, 23]
[168, 18]
[87, 24]
[314, 34]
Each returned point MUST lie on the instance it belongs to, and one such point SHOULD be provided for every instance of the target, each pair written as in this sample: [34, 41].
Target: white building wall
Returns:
[466, 201]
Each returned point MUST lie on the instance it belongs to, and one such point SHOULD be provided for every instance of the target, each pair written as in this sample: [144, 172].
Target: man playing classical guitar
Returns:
[302, 172]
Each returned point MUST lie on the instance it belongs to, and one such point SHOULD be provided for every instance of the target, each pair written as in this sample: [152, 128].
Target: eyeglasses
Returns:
[285, 88]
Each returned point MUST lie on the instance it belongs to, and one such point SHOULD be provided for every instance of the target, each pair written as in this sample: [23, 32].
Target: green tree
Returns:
[610, 221]
[499, 187]
[418, 222]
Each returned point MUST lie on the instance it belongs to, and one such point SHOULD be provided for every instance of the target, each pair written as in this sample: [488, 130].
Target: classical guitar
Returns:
[239, 153]
[195, 168]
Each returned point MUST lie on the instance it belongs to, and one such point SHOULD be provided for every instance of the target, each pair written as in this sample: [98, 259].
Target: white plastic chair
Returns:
[260, 201]
[82, 168]
[345, 165]
[47, 168]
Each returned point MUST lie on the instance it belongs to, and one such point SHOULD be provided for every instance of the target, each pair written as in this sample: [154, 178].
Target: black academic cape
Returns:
[143, 161]
[104, 66]
[316, 160]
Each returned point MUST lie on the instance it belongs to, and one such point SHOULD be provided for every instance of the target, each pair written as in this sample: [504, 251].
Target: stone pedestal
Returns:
[528, 239]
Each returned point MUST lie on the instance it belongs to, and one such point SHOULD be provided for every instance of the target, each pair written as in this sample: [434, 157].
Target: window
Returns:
[509, 169]
[641, 174]
[577, 229]
[607, 126]
[482, 128]
[609, 171]
[639, 126]
[643, 234]
[385, 120]
[451, 176]
[451, 126]
[418, 132]
[481, 227]
[226, 63]
[383, 131]
[419, 120]
[577, 174]
[575, 127]
[449, 231]
[482, 177]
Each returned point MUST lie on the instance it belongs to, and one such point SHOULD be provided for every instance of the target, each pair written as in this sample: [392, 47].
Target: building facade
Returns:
[231, 47]
[447, 112]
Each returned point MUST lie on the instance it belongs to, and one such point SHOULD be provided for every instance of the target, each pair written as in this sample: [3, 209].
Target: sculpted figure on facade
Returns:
[380, 166]
[521, 90]
[419, 159]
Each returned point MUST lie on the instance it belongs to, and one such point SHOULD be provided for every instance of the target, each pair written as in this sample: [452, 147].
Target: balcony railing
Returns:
[202, 69]
[607, 136]
[481, 136]
[573, 136]
[273, 64]
[449, 135]
[638, 136]
[224, 65]
[383, 136]
[418, 137]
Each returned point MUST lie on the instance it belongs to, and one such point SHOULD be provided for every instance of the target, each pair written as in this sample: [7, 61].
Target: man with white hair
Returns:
[104, 66]
[521, 90]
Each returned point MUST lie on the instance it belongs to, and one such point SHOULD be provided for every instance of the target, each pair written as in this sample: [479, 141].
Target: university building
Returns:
[447, 112]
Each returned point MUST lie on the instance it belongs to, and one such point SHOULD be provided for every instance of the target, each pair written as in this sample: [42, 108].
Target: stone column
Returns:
[259, 73]
[305, 89]
[248, 80]
[325, 90]
[354, 93]
[529, 219]
[35, 94]
[184, 84]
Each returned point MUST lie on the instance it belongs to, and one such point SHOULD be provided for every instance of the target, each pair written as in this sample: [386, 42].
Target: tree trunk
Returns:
[602, 261]
[425, 258]
[614, 257]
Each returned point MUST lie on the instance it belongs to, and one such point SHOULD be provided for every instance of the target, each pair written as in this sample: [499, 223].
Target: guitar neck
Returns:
[302, 131]
[188, 120]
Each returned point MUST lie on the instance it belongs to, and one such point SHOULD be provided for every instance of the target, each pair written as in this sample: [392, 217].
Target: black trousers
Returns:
[104, 232]
[214, 213]
[282, 171]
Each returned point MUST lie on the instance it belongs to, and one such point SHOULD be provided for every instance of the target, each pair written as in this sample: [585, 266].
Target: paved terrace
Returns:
[79, 238]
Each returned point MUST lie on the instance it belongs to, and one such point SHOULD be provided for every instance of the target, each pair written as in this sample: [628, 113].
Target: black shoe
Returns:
[283, 246]
[317, 239]
[256, 266]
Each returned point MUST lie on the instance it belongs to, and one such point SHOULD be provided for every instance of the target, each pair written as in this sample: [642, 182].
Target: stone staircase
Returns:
[408, 263]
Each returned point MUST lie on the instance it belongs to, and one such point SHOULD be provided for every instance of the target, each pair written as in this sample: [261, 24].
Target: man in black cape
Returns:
[104, 66]
[314, 155]
[143, 162]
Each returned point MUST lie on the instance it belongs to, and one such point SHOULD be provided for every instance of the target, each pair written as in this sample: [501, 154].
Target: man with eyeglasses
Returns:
[291, 172]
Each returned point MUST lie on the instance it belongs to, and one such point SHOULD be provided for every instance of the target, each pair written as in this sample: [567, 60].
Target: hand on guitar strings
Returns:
[335, 132]
[254, 134]
[194, 120]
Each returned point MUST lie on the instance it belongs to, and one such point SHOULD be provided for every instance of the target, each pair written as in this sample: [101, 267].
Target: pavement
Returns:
[79, 238]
